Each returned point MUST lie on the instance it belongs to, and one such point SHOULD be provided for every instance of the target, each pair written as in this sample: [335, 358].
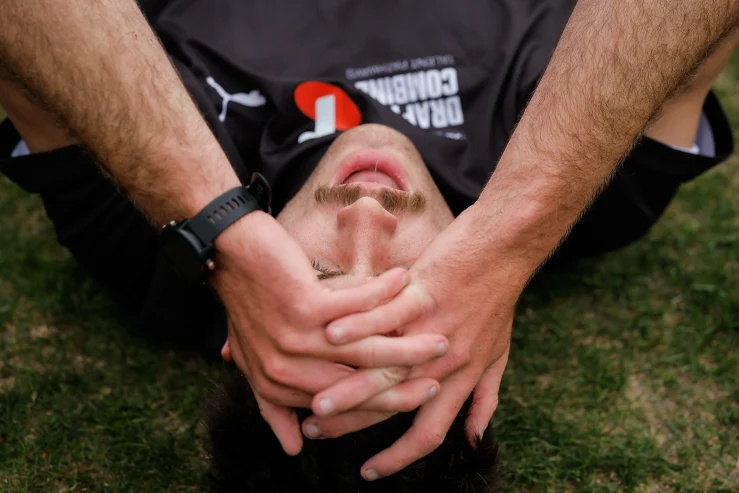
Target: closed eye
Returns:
[325, 272]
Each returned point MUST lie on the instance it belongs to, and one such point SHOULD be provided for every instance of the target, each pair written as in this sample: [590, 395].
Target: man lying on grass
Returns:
[370, 204]
[386, 132]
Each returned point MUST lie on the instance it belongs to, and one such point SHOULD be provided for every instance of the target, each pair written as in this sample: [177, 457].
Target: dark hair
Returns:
[246, 457]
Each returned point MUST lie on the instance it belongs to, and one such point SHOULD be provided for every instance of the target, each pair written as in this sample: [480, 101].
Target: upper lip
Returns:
[365, 159]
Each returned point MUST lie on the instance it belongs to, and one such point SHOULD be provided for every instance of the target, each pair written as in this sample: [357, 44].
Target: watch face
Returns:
[183, 251]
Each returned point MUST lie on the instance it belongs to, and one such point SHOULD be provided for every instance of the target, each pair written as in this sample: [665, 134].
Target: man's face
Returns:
[369, 206]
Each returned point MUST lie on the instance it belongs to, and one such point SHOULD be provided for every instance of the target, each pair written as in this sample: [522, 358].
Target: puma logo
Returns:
[252, 99]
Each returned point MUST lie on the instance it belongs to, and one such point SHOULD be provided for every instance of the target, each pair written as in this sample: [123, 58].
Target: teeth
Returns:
[370, 176]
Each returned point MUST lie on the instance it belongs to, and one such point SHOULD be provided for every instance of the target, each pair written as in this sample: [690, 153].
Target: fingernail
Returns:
[440, 348]
[338, 334]
[370, 474]
[312, 430]
[326, 405]
[432, 392]
[405, 279]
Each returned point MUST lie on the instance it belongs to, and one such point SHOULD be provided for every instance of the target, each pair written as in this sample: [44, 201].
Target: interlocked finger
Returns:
[357, 388]
[404, 397]
[429, 428]
[367, 296]
[340, 425]
[276, 393]
[382, 351]
[405, 308]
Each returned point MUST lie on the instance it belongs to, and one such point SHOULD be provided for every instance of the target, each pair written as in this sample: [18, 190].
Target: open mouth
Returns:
[372, 168]
[372, 177]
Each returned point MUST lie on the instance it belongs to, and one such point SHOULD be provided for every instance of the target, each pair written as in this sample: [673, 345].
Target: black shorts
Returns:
[642, 189]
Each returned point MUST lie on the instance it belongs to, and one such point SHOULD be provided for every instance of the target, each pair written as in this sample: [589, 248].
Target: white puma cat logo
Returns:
[252, 99]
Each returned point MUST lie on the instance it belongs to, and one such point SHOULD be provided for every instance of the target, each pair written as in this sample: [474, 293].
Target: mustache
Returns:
[393, 201]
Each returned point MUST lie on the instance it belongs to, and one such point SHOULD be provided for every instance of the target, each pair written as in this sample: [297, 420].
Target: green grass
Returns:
[624, 374]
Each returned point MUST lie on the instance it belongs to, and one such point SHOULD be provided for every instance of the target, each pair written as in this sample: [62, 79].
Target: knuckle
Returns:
[290, 342]
[270, 394]
[370, 355]
[429, 304]
[460, 356]
[276, 369]
[433, 440]
[453, 360]
[263, 388]
[304, 310]
[391, 376]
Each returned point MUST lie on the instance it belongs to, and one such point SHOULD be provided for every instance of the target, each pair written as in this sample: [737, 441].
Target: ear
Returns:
[226, 352]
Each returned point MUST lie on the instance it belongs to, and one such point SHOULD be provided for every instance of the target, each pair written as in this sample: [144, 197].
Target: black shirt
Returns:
[452, 76]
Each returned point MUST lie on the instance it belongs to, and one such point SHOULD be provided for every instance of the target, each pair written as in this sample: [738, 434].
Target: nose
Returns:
[365, 232]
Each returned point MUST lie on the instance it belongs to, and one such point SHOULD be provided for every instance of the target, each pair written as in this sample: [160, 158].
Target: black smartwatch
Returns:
[189, 244]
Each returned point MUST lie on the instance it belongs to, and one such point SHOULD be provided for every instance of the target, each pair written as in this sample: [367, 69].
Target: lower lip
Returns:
[372, 159]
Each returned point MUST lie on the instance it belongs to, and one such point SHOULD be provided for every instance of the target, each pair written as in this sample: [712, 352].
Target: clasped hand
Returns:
[302, 344]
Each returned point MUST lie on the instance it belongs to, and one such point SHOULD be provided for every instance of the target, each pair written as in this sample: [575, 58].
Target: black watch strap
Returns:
[229, 208]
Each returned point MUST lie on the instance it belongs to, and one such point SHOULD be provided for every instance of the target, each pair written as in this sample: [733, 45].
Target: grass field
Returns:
[624, 374]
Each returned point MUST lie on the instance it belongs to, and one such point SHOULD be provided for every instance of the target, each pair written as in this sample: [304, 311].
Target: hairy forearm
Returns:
[98, 67]
[616, 63]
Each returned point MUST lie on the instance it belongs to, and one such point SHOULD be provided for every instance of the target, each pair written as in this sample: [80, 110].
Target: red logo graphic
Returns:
[308, 93]
[327, 105]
